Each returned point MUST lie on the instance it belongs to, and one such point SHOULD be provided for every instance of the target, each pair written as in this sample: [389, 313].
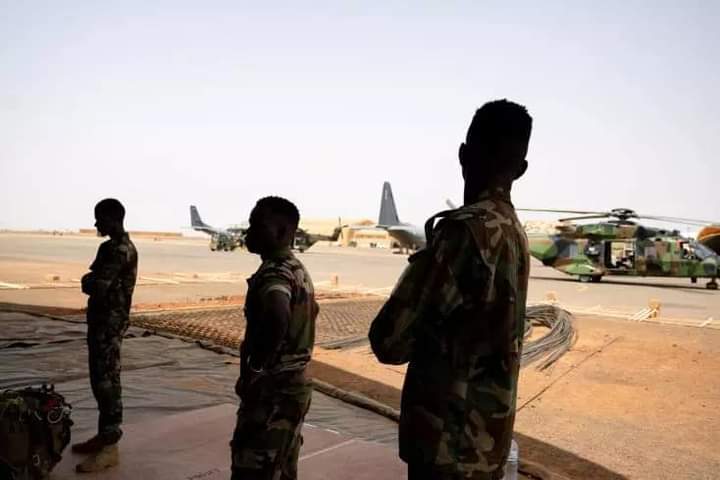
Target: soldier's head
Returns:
[109, 217]
[273, 223]
[496, 144]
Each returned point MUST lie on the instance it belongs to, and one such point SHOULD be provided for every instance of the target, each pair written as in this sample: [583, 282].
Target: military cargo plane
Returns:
[621, 246]
[222, 239]
[408, 236]
[228, 239]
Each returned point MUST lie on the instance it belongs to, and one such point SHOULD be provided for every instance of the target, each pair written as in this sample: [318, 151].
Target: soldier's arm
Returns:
[425, 294]
[275, 322]
[105, 271]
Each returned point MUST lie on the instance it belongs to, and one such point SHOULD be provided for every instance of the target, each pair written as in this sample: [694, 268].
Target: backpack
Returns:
[34, 430]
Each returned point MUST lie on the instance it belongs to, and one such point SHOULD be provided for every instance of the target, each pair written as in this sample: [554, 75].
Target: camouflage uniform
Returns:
[110, 285]
[267, 439]
[457, 315]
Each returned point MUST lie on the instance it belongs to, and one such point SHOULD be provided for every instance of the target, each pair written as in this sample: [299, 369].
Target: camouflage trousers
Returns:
[104, 340]
[267, 439]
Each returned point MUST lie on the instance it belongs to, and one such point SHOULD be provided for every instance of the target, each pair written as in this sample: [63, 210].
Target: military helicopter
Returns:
[620, 246]
[304, 239]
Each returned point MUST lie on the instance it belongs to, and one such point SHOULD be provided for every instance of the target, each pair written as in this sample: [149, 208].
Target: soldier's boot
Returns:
[93, 445]
[108, 457]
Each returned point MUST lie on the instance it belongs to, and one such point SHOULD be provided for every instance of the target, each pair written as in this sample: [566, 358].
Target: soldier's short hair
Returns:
[112, 208]
[497, 122]
[280, 206]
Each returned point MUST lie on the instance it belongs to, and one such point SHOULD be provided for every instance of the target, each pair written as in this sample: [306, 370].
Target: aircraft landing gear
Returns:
[590, 278]
[712, 285]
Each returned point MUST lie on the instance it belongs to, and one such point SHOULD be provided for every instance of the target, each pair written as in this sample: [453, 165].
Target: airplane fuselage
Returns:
[407, 236]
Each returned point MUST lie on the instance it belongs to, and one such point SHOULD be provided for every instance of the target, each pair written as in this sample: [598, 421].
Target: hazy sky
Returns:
[168, 103]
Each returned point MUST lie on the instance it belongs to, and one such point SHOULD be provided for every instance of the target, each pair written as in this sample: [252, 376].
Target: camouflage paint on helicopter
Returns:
[621, 247]
[305, 240]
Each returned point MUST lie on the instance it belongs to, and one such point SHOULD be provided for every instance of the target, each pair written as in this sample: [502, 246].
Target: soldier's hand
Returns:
[87, 282]
[246, 381]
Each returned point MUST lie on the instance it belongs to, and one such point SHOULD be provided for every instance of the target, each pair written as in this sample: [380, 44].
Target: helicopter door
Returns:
[655, 256]
[688, 262]
[620, 256]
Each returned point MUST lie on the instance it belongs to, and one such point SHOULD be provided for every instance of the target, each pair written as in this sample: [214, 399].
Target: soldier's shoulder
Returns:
[451, 240]
[123, 246]
[128, 241]
[294, 263]
[453, 224]
[108, 248]
[493, 225]
[279, 268]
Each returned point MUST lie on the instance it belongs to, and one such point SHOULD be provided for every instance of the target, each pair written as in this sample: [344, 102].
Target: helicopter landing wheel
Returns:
[586, 278]
[712, 285]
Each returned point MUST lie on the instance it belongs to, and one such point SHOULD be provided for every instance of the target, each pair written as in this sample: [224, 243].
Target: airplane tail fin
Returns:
[388, 212]
[195, 220]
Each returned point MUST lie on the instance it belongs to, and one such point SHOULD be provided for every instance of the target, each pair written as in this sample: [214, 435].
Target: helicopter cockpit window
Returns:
[701, 251]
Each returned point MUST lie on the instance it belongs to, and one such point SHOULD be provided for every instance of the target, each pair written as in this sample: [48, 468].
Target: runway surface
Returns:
[46, 269]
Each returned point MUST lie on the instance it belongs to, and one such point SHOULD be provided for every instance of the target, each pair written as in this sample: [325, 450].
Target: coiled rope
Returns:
[555, 343]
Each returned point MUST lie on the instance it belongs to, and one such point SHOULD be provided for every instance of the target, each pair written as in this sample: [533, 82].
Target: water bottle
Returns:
[511, 467]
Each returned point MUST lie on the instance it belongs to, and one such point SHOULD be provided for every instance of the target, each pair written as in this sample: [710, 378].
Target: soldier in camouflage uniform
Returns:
[280, 310]
[109, 285]
[457, 314]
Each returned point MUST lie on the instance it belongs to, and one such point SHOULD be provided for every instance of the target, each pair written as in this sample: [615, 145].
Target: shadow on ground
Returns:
[538, 458]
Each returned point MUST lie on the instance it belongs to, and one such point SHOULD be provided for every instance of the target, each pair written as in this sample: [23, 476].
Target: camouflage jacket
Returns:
[283, 272]
[457, 315]
[111, 281]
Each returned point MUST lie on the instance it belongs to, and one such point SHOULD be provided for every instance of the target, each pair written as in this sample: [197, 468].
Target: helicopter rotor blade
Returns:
[685, 221]
[584, 217]
[550, 210]
[622, 214]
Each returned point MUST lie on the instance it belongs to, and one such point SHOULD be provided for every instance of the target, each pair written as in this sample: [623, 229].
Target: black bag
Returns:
[34, 430]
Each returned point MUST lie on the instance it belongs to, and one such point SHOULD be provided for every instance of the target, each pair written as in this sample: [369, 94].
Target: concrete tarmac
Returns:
[46, 270]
